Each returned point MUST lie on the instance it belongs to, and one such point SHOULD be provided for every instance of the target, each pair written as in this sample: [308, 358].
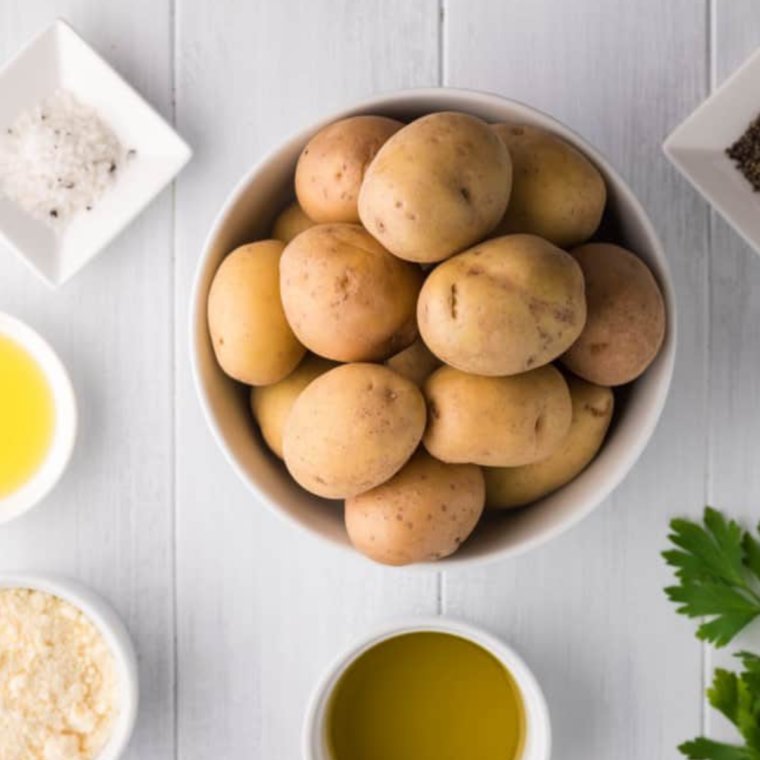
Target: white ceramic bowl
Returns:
[60, 59]
[247, 215]
[537, 744]
[115, 634]
[57, 458]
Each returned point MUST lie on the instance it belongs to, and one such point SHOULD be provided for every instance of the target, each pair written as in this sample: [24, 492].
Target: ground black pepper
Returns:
[745, 153]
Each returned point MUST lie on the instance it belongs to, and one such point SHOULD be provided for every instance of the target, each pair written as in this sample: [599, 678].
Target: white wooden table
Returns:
[235, 614]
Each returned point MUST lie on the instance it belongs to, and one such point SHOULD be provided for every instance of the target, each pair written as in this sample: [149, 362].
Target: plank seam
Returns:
[442, 73]
[710, 76]
[173, 428]
[440, 584]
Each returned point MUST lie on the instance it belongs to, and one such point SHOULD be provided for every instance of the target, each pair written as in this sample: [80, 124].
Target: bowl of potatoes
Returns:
[436, 328]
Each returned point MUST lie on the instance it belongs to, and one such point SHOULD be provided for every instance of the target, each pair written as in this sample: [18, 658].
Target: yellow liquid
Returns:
[426, 696]
[27, 416]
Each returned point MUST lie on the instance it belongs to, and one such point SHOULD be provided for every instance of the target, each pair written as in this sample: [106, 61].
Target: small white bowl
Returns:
[64, 436]
[537, 745]
[247, 215]
[115, 634]
[698, 150]
[59, 58]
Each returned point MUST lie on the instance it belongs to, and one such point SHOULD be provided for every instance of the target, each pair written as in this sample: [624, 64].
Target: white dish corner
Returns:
[60, 58]
[697, 148]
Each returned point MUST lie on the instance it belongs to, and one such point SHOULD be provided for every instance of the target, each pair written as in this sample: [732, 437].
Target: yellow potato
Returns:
[352, 429]
[423, 513]
[331, 167]
[414, 363]
[506, 306]
[508, 487]
[291, 222]
[345, 296]
[271, 404]
[436, 187]
[252, 340]
[557, 193]
[496, 421]
[626, 317]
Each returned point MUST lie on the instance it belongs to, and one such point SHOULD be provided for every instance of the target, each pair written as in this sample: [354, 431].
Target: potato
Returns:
[557, 193]
[436, 187]
[352, 429]
[414, 363]
[331, 167]
[626, 317]
[505, 306]
[508, 487]
[252, 340]
[291, 222]
[271, 404]
[423, 513]
[496, 421]
[345, 296]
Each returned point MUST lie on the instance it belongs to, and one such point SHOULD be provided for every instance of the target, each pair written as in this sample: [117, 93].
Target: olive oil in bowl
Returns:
[27, 416]
[426, 695]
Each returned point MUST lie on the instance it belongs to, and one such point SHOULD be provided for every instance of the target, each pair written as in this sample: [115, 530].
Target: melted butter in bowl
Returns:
[27, 416]
[38, 418]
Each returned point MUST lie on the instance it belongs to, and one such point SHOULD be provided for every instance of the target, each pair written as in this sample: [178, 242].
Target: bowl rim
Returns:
[33, 491]
[666, 358]
[538, 731]
[102, 615]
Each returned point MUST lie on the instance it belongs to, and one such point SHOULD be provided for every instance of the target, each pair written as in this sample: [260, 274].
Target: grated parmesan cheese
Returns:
[58, 680]
[58, 159]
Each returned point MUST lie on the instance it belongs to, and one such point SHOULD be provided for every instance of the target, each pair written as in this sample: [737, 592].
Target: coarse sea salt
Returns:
[58, 158]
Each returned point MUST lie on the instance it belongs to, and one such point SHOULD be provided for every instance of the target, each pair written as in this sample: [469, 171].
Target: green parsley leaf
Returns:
[707, 749]
[738, 698]
[724, 694]
[722, 630]
[752, 552]
[718, 568]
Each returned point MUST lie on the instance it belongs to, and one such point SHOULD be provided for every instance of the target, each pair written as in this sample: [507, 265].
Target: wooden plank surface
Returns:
[262, 609]
[622, 676]
[110, 522]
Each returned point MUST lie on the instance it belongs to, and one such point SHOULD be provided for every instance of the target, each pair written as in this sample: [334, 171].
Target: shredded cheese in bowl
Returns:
[59, 686]
[58, 158]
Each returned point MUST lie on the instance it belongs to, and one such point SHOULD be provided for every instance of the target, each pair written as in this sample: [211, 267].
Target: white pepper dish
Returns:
[697, 148]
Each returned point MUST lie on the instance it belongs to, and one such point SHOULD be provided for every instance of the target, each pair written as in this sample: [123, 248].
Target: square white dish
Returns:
[60, 59]
[698, 149]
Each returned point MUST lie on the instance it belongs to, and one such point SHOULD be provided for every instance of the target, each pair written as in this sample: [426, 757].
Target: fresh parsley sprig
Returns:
[718, 569]
[738, 698]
